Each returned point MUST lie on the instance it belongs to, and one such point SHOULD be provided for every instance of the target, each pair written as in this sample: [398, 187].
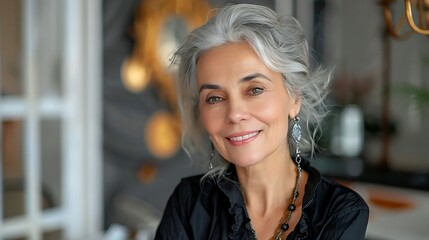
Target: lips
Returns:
[242, 138]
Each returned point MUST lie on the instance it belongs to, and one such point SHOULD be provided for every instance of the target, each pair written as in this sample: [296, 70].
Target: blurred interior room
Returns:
[90, 130]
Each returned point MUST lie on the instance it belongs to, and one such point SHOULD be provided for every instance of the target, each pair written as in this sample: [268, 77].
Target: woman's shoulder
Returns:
[335, 211]
[189, 185]
[340, 198]
[191, 181]
[329, 194]
[193, 186]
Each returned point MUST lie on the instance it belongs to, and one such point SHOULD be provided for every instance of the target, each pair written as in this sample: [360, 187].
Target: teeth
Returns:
[241, 138]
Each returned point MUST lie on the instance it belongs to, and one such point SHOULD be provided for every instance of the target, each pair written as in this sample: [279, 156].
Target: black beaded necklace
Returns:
[292, 207]
[296, 136]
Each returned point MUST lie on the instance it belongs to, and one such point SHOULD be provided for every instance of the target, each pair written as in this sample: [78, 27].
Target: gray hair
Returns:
[281, 45]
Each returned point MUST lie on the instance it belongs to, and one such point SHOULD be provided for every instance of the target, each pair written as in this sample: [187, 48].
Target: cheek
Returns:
[276, 114]
[208, 119]
[272, 109]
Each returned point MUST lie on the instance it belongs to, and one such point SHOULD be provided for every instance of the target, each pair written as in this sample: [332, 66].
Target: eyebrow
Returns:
[244, 79]
[253, 76]
[208, 86]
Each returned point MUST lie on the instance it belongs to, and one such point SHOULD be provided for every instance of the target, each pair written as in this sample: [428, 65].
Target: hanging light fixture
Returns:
[421, 7]
[423, 15]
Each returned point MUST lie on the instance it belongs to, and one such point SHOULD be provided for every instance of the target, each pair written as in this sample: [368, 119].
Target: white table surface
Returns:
[389, 223]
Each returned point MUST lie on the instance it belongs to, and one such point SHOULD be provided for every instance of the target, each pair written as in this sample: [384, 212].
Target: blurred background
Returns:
[90, 132]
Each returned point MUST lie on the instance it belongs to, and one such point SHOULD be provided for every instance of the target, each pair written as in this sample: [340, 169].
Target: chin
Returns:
[246, 161]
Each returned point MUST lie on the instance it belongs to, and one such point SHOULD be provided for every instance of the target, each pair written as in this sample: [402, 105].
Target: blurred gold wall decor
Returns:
[144, 64]
[158, 29]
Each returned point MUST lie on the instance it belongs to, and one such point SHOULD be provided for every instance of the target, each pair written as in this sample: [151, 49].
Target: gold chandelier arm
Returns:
[389, 22]
[409, 14]
[401, 23]
[426, 11]
[390, 27]
[420, 14]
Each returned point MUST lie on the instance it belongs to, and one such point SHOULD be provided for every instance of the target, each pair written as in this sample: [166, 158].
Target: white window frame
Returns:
[80, 215]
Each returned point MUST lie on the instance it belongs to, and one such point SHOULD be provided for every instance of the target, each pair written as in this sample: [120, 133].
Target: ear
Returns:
[295, 107]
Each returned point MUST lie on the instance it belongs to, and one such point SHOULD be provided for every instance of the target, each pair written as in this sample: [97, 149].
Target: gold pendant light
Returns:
[421, 7]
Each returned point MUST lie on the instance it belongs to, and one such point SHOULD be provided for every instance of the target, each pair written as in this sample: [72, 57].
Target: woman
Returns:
[247, 100]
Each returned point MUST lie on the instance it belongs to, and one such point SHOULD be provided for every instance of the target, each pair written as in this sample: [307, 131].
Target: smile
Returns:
[238, 140]
[241, 138]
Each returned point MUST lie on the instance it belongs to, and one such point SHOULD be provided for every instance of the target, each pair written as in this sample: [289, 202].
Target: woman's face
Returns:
[243, 105]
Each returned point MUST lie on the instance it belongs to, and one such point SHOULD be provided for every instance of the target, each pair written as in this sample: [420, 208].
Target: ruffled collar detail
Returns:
[231, 188]
[241, 227]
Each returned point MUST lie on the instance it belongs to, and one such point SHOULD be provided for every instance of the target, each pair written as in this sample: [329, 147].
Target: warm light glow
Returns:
[135, 76]
[161, 135]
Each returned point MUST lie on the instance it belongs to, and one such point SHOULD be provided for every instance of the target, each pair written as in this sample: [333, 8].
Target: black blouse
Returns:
[215, 210]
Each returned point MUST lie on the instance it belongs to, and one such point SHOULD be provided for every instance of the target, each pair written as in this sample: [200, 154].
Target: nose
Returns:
[237, 111]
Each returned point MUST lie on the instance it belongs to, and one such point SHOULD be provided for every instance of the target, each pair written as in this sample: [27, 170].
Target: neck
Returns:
[268, 185]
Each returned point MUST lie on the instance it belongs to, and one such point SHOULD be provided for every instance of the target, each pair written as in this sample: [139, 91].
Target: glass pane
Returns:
[12, 155]
[10, 48]
[17, 238]
[50, 33]
[53, 235]
[51, 162]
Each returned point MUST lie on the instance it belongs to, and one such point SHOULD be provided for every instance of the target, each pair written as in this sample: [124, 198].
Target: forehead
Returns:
[232, 60]
[235, 50]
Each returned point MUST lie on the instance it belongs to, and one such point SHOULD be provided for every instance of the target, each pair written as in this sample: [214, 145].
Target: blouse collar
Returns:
[230, 187]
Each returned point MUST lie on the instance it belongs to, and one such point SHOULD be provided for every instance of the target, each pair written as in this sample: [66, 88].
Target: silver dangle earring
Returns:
[211, 154]
[296, 135]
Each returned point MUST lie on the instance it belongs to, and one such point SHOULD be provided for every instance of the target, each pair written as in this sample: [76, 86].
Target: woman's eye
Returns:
[256, 91]
[213, 100]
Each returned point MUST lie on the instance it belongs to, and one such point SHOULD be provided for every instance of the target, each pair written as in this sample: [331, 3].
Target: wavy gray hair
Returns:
[281, 45]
